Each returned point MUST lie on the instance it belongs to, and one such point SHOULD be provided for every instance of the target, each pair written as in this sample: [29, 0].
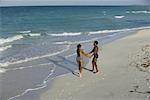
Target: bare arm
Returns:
[91, 51]
[85, 54]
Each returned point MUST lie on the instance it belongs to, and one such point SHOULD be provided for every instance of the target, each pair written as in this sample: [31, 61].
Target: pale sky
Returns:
[73, 2]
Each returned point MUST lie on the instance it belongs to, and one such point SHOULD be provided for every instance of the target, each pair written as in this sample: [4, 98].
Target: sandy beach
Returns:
[38, 51]
[118, 79]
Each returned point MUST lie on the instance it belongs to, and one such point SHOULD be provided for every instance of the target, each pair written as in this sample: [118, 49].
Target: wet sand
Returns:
[118, 79]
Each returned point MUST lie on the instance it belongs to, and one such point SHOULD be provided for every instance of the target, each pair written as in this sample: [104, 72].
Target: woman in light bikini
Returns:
[79, 58]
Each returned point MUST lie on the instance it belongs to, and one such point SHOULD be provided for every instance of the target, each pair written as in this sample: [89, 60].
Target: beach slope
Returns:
[118, 78]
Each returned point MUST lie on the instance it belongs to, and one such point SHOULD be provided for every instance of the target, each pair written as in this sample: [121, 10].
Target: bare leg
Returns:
[96, 67]
[92, 66]
[80, 69]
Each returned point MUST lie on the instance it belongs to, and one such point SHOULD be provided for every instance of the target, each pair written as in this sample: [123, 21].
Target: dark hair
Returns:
[78, 50]
[79, 45]
[96, 42]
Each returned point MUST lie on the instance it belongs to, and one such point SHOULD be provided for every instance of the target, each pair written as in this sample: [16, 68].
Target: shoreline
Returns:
[84, 95]
[58, 78]
[38, 48]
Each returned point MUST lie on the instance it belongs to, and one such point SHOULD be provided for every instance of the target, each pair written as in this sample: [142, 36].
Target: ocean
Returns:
[38, 43]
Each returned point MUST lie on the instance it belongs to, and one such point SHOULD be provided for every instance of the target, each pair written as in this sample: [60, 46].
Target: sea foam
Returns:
[18, 37]
[4, 64]
[34, 34]
[25, 31]
[66, 34]
[139, 12]
[2, 70]
[96, 32]
[5, 48]
[10, 39]
[119, 16]
[118, 30]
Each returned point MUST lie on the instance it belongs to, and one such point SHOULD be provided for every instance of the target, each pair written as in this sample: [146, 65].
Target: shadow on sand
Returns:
[136, 91]
[87, 69]
[57, 63]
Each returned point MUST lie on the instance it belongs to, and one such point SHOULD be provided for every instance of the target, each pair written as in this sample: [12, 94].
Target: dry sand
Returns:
[118, 78]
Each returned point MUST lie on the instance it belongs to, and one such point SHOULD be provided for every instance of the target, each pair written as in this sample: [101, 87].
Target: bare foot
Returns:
[80, 75]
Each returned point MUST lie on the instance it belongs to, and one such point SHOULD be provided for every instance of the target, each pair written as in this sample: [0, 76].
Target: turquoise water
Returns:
[41, 41]
[72, 19]
[25, 28]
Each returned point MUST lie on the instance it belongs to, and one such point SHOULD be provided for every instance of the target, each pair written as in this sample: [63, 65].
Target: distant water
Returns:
[34, 33]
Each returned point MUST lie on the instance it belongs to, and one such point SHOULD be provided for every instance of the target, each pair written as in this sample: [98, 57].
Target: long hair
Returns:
[78, 49]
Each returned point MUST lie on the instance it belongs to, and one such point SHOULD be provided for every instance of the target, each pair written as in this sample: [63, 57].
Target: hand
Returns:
[90, 56]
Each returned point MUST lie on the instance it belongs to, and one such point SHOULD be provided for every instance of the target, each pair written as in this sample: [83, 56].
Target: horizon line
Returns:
[71, 5]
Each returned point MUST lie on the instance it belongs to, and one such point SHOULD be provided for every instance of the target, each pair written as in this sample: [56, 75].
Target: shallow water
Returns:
[39, 43]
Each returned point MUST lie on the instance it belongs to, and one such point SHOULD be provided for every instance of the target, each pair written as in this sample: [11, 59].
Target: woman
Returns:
[79, 59]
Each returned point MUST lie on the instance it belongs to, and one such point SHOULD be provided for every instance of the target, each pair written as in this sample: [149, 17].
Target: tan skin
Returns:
[80, 54]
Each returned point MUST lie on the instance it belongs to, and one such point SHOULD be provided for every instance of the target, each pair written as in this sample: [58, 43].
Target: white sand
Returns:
[115, 80]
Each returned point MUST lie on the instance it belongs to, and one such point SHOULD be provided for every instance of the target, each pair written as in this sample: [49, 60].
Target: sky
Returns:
[72, 2]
